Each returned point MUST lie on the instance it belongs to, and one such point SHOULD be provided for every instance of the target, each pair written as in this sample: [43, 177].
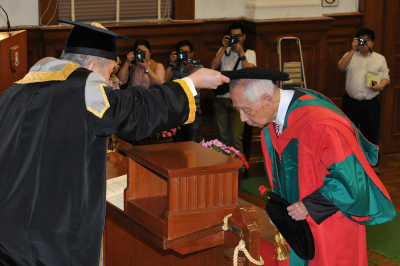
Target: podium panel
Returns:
[13, 55]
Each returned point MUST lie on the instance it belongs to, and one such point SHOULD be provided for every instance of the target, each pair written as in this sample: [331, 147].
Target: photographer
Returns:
[182, 65]
[141, 72]
[231, 56]
[361, 103]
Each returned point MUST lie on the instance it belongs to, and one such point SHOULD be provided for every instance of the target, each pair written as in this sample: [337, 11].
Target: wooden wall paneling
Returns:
[394, 134]
[34, 45]
[54, 40]
[374, 19]
[390, 97]
[183, 9]
[335, 79]
[48, 12]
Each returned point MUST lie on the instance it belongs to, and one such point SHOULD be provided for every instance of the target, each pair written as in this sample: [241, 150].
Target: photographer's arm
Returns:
[245, 64]
[159, 76]
[168, 73]
[216, 62]
[345, 61]
[155, 78]
[237, 48]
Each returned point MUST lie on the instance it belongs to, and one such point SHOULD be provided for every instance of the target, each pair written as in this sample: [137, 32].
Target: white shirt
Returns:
[285, 98]
[356, 74]
[229, 62]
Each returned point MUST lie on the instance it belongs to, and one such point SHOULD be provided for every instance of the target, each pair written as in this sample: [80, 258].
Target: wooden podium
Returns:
[13, 54]
[176, 198]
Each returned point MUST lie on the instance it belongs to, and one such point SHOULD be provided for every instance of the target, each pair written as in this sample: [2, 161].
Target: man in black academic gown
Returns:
[54, 125]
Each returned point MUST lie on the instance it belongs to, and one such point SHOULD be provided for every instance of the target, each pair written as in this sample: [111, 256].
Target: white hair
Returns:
[84, 60]
[254, 88]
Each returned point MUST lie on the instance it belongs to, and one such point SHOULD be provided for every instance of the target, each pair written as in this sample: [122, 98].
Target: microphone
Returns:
[8, 22]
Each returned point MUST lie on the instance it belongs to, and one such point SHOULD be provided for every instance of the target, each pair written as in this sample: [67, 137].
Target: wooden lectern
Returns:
[176, 198]
[13, 54]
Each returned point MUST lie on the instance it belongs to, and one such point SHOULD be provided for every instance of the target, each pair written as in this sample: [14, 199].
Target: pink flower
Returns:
[169, 134]
[228, 151]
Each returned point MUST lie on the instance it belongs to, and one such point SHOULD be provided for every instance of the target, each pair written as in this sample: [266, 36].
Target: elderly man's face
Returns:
[256, 114]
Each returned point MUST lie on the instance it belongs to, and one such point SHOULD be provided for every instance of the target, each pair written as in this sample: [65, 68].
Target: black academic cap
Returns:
[256, 73]
[92, 40]
[296, 233]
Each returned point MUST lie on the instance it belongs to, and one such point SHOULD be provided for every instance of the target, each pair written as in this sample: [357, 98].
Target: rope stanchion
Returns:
[240, 247]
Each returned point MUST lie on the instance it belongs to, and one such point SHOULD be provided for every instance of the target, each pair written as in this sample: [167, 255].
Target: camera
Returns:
[182, 56]
[192, 62]
[361, 42]
[232, 39]
[140, 55]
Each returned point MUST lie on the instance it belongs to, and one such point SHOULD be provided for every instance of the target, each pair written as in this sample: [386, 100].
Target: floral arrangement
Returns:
[218, 146]
[166, 133]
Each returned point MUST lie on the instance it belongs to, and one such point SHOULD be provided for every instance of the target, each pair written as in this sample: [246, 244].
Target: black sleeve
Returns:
[319, 207]
[138, 112]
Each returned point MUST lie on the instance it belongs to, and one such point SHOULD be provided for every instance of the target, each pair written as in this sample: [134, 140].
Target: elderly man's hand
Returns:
[207, 79]
[298, 211]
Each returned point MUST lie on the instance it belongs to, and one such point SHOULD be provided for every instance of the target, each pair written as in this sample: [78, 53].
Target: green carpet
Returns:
[250, 185]
[383, 239]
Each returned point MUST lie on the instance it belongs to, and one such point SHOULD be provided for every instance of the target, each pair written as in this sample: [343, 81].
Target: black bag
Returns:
[225, 88]
[297, 233]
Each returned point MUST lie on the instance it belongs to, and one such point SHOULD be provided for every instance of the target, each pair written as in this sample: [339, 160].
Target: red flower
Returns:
[262, 190]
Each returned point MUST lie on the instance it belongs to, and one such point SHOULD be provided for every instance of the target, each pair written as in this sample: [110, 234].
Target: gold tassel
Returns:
[281, 247]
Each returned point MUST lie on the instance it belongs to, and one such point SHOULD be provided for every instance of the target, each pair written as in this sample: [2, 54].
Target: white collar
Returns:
[285, 98]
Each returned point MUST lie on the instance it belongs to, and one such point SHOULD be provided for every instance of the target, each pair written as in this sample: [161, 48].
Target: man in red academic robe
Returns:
[320, 164]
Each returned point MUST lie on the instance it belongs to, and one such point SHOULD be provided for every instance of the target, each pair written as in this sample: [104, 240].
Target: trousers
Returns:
[365, 114]
[229, 126]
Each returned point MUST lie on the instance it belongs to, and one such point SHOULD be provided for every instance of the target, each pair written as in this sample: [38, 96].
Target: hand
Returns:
[130, 57]
[376, 86]
[298, 211]
[237, 48]
[207, 79]
[173, 58]
[225, 41]
[143, 64]
[188, 67]
[354, 44]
